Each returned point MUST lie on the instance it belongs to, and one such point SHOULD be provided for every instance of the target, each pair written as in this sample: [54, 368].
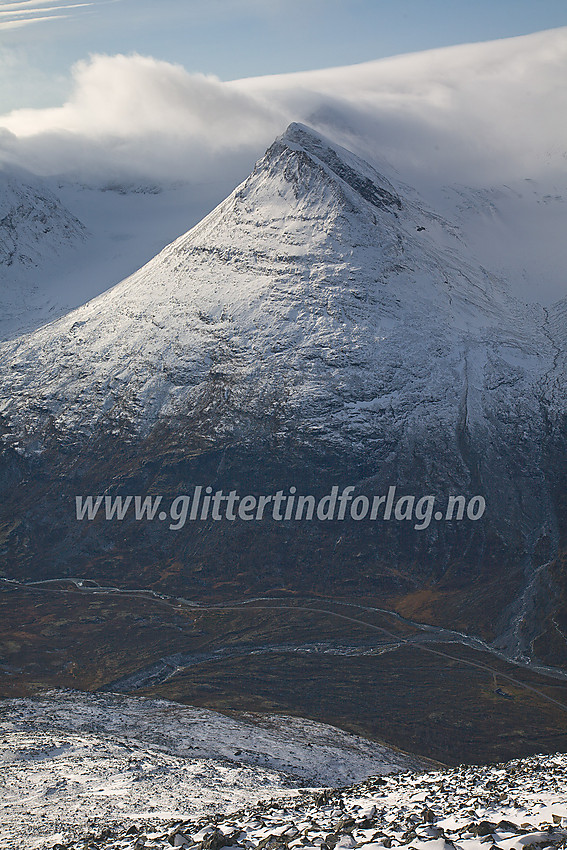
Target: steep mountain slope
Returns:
[319, 327]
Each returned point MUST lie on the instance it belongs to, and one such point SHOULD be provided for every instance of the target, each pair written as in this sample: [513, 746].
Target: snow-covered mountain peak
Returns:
[312, 275]
[305, 198]
[305, 194]
[316, 307]
[336, 162]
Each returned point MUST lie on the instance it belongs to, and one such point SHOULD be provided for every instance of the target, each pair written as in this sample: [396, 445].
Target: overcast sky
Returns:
[40, 40]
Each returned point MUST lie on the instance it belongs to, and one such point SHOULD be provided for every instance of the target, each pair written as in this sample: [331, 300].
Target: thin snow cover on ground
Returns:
[54, 782]
[521, 805]
[308, 751]
[141, 759]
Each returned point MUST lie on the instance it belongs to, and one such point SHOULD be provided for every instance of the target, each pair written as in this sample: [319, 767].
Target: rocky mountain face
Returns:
[36, 232]
[34, 224]
[319, 328]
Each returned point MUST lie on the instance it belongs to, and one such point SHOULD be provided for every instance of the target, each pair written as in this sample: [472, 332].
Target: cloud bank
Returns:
[470, 113]
[134, 116]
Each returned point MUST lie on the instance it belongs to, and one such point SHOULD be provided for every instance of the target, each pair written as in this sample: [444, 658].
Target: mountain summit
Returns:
[314, 276]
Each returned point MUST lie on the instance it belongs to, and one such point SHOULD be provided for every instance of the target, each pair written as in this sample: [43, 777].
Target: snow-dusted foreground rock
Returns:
[516, 805]
[521, 805]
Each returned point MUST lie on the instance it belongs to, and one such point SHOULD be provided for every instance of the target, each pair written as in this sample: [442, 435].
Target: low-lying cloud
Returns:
[470, 113]
[134, 116]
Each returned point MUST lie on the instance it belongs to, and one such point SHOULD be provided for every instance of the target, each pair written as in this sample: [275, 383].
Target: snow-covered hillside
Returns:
[37, 235]
[34, 226]
[144, 760]
[270, 742]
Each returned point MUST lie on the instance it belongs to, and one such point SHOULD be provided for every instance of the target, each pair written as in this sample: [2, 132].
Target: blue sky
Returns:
[41, 39]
